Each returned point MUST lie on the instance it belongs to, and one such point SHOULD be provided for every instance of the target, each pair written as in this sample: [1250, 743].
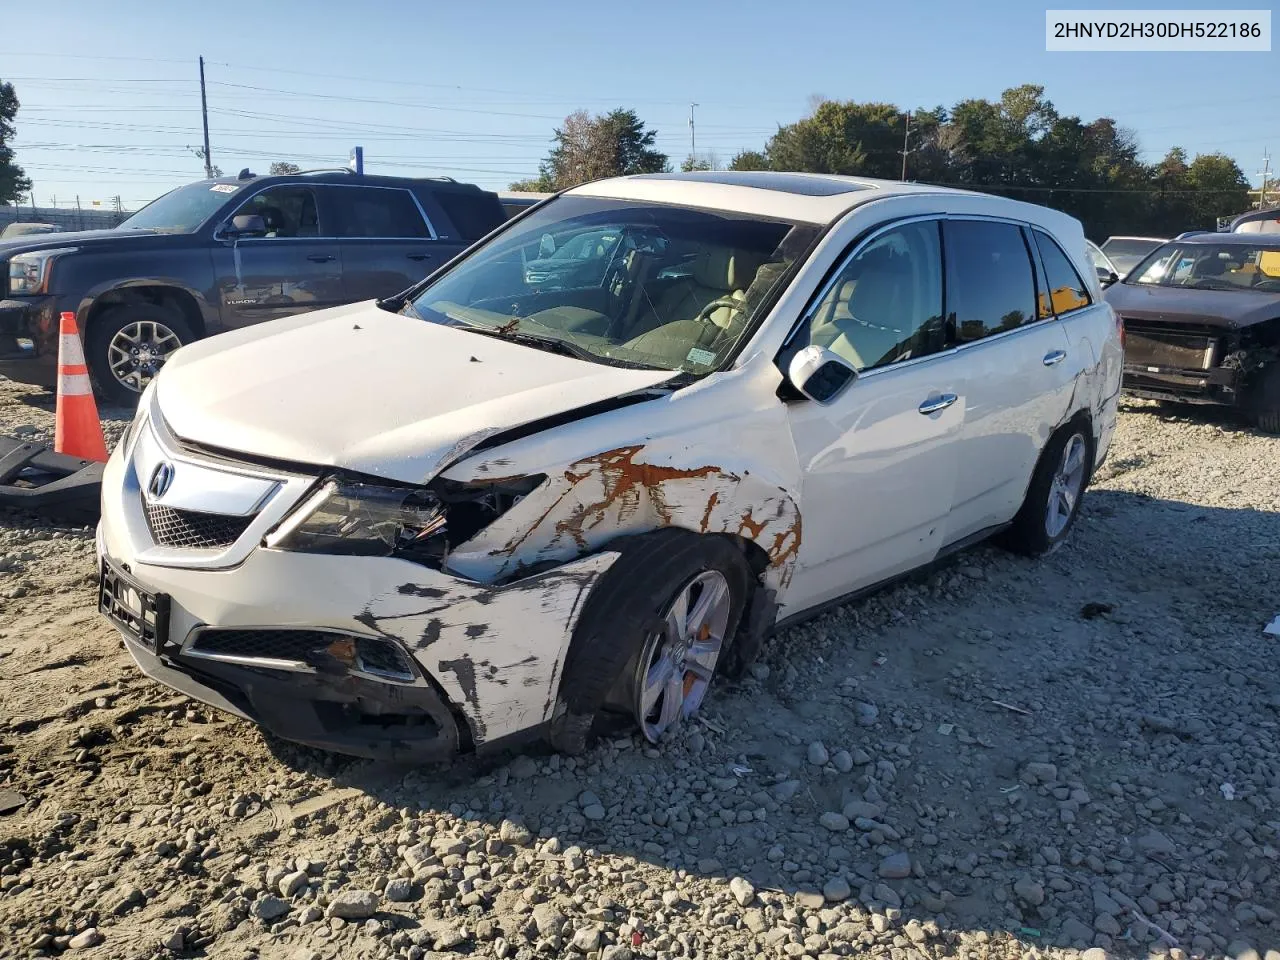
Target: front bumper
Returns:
[487, 658]
[29, 339]
[1216, 385]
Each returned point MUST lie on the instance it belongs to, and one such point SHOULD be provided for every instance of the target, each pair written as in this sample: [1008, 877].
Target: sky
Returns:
[111, 99]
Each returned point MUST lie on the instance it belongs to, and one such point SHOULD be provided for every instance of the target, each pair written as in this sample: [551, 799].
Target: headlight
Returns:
[365, 519]
[29, 272]
[362, 519]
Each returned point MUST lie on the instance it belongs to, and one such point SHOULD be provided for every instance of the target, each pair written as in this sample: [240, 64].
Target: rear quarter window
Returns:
[472, 215]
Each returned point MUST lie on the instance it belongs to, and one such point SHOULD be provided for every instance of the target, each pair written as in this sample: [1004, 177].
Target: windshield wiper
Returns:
[538, 342]
[566, 348]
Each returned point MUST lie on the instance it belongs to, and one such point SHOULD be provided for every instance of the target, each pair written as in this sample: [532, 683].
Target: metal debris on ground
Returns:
[1228, 791]
[1010, 706]
[946, 728]
[1273, 627]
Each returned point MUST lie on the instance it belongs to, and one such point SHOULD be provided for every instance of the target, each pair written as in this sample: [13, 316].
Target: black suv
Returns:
[221, 254]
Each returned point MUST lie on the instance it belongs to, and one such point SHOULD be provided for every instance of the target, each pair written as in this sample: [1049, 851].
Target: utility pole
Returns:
[204, 117]
[79, 213]
[1266, 172]
[906, 135]
[693, 143]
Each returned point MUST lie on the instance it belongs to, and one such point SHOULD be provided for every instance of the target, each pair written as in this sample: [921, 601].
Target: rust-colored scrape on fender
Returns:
[615, 493]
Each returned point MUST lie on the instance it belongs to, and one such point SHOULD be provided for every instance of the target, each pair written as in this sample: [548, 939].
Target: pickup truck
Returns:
[220, 254]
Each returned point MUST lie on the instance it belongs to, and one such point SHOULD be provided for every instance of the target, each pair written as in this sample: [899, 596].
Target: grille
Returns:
[189, 528]
[381, 658]
[1155, 346]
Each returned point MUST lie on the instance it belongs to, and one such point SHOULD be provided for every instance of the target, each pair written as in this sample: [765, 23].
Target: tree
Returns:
[13, 182]
[749, 160]
[199, 152]
[588, 148]
[841, 137]
[691, 164]
[281, 168]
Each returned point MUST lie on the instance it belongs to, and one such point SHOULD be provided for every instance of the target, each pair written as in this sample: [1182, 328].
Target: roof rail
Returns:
[301, 173]
[441, 177]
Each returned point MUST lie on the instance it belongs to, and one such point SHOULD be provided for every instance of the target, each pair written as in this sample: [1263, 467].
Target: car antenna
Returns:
[245, 174]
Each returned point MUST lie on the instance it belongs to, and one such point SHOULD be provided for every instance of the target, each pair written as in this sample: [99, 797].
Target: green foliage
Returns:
[587, 148]
[1018, 146]
[750, 160]
[692, 163]
[13, 182]
[281, 168]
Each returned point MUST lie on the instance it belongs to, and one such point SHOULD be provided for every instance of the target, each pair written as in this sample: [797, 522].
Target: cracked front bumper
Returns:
[487, 658]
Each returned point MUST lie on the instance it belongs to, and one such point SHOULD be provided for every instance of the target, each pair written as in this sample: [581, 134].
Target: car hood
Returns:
[1218, 308]
[375, 392]
[76, 238]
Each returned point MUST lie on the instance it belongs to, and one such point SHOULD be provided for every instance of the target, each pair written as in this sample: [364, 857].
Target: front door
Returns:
[878, 464]
[295, 266]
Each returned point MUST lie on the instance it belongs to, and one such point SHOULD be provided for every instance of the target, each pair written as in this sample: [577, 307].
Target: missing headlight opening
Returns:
[355, 518]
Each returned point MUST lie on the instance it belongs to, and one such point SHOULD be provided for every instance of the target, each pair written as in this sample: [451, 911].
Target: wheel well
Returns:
[158, 296]
[756, 556]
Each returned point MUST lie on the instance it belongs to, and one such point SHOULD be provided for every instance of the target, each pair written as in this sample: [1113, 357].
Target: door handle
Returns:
[321, 257]
[419, 256]
[938, 403]
[1054, 356]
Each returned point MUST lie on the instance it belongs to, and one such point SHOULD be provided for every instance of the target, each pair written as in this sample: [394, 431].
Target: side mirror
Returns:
[246, 225]
[546, 246]
[1107, 277]
[820, 374]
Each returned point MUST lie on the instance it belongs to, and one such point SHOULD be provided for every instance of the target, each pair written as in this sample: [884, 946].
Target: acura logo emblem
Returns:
[161, 479]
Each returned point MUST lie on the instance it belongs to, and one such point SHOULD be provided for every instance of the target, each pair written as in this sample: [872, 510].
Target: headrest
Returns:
[723, 268]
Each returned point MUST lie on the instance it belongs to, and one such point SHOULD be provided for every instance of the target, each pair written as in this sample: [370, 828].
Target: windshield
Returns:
[623, 282]
[1212, 266]
[1129, 247]
[182, 210]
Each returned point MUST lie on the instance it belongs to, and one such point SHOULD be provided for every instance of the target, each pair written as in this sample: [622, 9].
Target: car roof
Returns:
[811, 197]
[1151, 239]
[1268, 240]
[346, 177]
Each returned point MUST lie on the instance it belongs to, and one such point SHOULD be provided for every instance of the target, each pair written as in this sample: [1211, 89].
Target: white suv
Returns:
[513, 500]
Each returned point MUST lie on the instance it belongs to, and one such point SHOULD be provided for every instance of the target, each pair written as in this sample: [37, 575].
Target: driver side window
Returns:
[885, 303]
[286, 211]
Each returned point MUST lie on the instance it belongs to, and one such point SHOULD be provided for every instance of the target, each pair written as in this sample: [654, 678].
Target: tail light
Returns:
[1120, 329]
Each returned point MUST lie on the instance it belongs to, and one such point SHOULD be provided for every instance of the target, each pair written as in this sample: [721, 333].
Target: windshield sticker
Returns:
[704, 357]
[224, 188]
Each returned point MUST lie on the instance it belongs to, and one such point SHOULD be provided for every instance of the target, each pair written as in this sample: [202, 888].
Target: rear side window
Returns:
[1066, 290]
[990, 286]
[375, 212]
[474, 215]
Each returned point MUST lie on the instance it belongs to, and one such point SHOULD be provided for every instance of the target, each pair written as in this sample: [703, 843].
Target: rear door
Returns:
[1019, 370]
[296, 266]
[388, 244]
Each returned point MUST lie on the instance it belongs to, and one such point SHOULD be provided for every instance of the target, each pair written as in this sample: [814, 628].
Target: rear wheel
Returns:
[653, 635]
[128, 344]
[1054, 494]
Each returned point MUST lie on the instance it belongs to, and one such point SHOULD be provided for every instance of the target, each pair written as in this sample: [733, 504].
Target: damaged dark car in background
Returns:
[1202, 324]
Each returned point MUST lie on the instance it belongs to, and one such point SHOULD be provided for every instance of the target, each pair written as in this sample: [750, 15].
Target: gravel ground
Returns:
[1001, 758]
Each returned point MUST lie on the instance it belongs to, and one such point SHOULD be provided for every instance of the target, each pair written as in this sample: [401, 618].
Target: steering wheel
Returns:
[704, 315]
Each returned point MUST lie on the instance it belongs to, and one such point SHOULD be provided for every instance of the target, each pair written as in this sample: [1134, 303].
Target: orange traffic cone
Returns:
[77, 430]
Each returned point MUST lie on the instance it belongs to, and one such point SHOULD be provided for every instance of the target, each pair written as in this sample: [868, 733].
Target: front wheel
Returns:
[127, 345]
[653, 635]
[1262, 401]
[1053, 497]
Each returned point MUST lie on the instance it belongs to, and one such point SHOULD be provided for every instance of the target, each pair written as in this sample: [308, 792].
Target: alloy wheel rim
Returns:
[138, 351]
[1064, 491]
[678, 661]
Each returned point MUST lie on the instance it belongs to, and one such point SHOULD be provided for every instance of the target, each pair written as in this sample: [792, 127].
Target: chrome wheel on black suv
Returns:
[127, 345]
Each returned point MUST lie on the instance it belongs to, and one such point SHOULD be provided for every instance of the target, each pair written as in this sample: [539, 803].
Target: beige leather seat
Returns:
[860, 320]
[670, 327]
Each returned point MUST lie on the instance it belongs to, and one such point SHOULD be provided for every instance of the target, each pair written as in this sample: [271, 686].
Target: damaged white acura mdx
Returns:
[590, 464]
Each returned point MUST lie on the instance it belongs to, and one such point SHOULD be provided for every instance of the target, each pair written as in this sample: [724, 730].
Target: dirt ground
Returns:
[1000, 758]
